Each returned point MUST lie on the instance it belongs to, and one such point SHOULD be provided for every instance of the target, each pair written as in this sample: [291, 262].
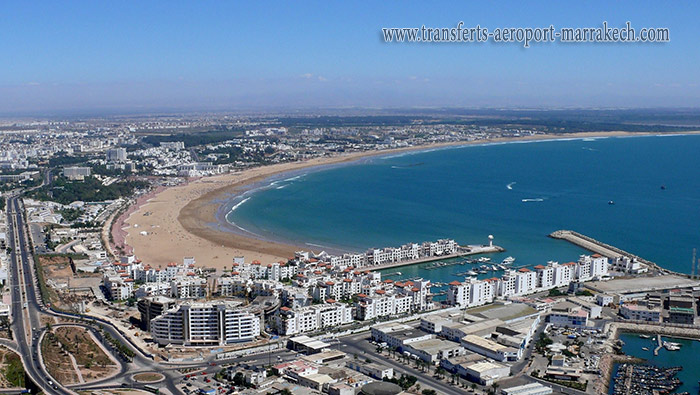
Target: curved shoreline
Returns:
[190, 220]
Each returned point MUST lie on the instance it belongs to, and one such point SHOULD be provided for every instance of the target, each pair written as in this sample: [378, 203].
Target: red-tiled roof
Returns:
[540, 267]
[523, 270]
[455, 282]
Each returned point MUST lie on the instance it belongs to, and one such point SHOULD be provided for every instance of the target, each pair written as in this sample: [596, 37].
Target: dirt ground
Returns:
[57, 269]
[91, 360]
[57, 361]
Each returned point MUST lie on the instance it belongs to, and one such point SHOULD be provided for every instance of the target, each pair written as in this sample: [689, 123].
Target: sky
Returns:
[219, 55]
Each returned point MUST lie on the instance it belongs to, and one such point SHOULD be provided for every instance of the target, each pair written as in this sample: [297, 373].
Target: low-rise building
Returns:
[372, 369]
[490, 348]
[639, 312]
[485, 372]
[567, 314]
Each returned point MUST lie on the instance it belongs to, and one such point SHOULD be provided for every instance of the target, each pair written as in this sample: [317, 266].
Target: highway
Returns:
[25, 307]
[27, 328]
[26, 321]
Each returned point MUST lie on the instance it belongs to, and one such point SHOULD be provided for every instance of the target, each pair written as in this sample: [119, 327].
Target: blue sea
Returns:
[517, 192]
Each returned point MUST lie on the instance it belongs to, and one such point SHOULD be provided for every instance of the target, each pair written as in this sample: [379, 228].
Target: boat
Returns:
[645, 348]
[671, 346]
[663, 187]
[611, 202]
[472, 273]
[484, 259]
[508, 260]
[645, 336]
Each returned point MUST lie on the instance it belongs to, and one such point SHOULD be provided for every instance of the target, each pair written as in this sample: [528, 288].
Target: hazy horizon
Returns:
[87, 57]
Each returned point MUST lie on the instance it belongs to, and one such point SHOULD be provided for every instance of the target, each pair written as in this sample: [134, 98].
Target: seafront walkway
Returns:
[462, 251]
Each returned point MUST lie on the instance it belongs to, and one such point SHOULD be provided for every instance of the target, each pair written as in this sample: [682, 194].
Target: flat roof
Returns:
[408, 334]
[504, 312]
[484, 366]
[309, 342]
[434, 345]
[641, 284]
[526, 389]
[484, 343]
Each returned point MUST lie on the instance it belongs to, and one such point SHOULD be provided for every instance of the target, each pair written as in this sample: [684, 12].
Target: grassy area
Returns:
[148, 377]
[13, 371]
[90, 189]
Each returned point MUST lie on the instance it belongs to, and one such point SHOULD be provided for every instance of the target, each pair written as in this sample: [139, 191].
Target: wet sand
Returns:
[182, 220]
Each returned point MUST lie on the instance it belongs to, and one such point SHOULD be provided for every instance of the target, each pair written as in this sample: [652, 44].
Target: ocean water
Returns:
[686, 357]
[518, 192]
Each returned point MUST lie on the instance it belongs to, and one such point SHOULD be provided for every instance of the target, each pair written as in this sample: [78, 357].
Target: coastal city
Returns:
[349, 198]
[97, 309]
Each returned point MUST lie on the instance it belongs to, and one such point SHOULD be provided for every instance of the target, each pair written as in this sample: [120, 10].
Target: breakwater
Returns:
[604, 249]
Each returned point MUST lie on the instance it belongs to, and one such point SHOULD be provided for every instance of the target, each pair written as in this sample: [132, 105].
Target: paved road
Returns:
[357, 344]
[24, 303]
[30, 316]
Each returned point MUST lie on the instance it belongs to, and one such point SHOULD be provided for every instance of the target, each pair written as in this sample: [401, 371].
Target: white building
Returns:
[76, 173]
[116, 155]
[640, 312]
[205, 324]
[311, 318]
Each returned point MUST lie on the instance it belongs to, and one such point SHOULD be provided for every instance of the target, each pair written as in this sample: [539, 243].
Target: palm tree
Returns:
[495, 387]
[453, 378]
[473, 386]
[439, 371]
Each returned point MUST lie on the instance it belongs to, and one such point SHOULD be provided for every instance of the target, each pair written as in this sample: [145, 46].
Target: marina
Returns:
[645, 379]
[686, 356]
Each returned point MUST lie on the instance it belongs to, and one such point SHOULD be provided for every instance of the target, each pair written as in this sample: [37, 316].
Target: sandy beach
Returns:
[181, 221]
